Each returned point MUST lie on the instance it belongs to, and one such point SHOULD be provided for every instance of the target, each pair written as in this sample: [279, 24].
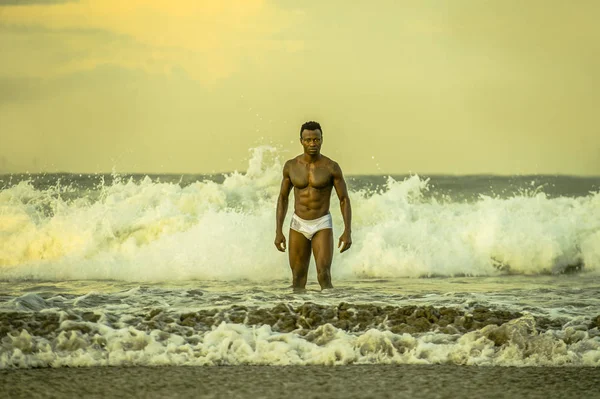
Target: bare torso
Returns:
[312, 183]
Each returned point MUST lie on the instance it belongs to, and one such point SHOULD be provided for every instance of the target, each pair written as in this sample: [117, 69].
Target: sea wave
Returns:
[303, 335]
[155, 231]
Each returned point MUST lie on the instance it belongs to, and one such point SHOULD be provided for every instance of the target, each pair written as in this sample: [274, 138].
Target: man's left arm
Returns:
[339, 183]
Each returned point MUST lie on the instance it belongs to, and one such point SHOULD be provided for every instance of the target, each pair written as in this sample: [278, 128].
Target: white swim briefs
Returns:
[309, 227]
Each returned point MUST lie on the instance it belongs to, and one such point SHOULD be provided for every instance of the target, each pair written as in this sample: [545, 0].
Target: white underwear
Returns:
[309, 227]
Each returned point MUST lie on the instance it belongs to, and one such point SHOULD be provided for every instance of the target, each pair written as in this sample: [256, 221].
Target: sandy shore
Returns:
[357, 381]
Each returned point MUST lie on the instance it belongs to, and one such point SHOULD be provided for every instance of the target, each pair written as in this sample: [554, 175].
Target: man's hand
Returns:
[345, 241]
[280, 242]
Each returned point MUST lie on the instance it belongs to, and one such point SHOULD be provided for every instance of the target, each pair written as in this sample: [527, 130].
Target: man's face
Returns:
[311, 141]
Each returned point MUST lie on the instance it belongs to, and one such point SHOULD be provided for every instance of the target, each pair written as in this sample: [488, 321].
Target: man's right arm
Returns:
[282, 206]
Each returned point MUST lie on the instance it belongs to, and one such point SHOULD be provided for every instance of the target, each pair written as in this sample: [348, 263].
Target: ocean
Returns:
[131, 271]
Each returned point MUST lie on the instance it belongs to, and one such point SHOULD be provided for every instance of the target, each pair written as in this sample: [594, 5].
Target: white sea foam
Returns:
[234, 344]
[153, 231]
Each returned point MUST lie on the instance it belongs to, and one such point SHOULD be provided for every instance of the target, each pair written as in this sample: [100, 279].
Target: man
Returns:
[313, 176]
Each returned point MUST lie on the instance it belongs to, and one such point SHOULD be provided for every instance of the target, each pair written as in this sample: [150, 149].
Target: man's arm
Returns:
[282, 206]
[342, 192]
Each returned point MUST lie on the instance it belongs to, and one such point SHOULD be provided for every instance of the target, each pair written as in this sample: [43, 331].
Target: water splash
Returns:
[147, 230]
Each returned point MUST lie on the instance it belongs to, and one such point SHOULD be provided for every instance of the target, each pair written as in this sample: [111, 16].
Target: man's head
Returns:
[311, 137]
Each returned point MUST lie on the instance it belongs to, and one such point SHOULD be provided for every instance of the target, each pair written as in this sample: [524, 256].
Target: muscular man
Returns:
[313, 176]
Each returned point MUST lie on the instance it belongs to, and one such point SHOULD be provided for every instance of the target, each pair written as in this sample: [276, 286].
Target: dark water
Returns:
[457, 188]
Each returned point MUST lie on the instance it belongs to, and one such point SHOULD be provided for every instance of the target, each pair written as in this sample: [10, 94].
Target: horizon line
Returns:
[2, 174]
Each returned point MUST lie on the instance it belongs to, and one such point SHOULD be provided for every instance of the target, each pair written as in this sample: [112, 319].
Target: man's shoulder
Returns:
[292, 161]
[327, 159]
[289, 164]
[329, 162]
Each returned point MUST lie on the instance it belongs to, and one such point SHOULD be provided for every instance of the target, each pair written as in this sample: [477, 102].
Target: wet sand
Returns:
[355, 381]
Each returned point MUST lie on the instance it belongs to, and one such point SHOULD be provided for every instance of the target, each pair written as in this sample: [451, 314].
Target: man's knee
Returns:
[323, 264]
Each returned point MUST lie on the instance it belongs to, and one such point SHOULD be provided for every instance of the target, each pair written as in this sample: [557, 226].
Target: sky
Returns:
[426, 87]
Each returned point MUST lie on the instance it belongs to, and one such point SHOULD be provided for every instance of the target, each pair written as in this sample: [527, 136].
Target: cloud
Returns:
[33, 2]
[34, 51]
[209, 39]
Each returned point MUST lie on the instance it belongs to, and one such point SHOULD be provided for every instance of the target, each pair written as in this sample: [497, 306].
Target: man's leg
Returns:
[322, 245]
[299, 253]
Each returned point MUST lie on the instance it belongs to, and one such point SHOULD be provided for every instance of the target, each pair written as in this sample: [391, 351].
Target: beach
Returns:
[359, 381]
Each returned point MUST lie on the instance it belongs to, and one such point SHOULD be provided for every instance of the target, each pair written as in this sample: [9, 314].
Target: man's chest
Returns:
[303, 176]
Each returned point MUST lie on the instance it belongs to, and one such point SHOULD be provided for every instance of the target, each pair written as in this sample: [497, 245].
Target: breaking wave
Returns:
[149, 230]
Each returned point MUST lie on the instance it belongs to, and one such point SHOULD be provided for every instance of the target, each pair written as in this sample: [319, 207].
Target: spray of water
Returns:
[155, 231]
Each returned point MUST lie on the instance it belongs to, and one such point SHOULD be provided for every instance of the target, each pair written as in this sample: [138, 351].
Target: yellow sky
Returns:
[456, 87]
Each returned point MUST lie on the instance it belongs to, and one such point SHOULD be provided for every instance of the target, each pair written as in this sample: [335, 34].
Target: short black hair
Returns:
[311, 125]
